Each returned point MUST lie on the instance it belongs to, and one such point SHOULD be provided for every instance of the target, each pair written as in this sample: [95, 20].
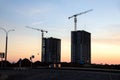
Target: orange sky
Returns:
[101, 52]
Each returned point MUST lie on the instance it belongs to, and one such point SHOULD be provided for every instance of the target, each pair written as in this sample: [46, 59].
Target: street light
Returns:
[6, 31]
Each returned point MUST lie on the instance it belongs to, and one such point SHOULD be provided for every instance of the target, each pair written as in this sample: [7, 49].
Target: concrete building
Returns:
[51, 50]
[81, 47]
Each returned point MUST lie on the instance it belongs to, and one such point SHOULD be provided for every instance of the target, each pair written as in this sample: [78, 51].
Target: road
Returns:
[53, 74]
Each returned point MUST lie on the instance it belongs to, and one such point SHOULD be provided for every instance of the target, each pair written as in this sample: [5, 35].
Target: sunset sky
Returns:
[52, 15]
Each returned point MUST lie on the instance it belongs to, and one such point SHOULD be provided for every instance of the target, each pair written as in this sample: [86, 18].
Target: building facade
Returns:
[51, 50]
[81, 47]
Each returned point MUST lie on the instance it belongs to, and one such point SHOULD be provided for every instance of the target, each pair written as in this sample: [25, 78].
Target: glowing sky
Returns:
[52, 15]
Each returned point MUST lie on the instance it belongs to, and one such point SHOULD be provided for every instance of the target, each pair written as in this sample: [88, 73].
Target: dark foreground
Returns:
[56, 74]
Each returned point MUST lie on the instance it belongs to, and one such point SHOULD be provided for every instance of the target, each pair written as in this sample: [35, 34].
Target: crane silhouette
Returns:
[75, 17]
[42, 31]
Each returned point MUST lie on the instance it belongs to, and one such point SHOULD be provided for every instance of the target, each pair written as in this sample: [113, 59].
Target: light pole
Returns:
[6, 31]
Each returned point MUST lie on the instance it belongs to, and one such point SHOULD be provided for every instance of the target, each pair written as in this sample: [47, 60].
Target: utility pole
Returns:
[75, 17]
[42, 34]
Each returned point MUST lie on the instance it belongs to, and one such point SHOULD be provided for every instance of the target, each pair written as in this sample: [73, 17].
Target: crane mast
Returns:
[75, 18]
[42, 34]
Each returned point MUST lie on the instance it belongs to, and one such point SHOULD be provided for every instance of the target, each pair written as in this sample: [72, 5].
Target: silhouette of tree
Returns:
[25, 63]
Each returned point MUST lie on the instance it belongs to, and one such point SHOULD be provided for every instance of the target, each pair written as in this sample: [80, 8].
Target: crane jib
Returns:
[75, 17]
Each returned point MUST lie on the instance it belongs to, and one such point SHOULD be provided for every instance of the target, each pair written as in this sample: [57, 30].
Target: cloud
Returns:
[37, 23]
[113, 41]
[33, 11]
[109, 35]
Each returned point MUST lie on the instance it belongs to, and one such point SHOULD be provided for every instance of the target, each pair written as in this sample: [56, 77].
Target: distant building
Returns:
[80, 47]
[51, 50]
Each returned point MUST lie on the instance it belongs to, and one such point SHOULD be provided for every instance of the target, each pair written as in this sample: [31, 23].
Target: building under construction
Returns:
[51, 50]
[81, 47]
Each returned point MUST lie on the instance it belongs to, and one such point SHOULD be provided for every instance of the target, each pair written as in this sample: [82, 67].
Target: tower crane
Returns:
[75, 17]
[42, 31]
